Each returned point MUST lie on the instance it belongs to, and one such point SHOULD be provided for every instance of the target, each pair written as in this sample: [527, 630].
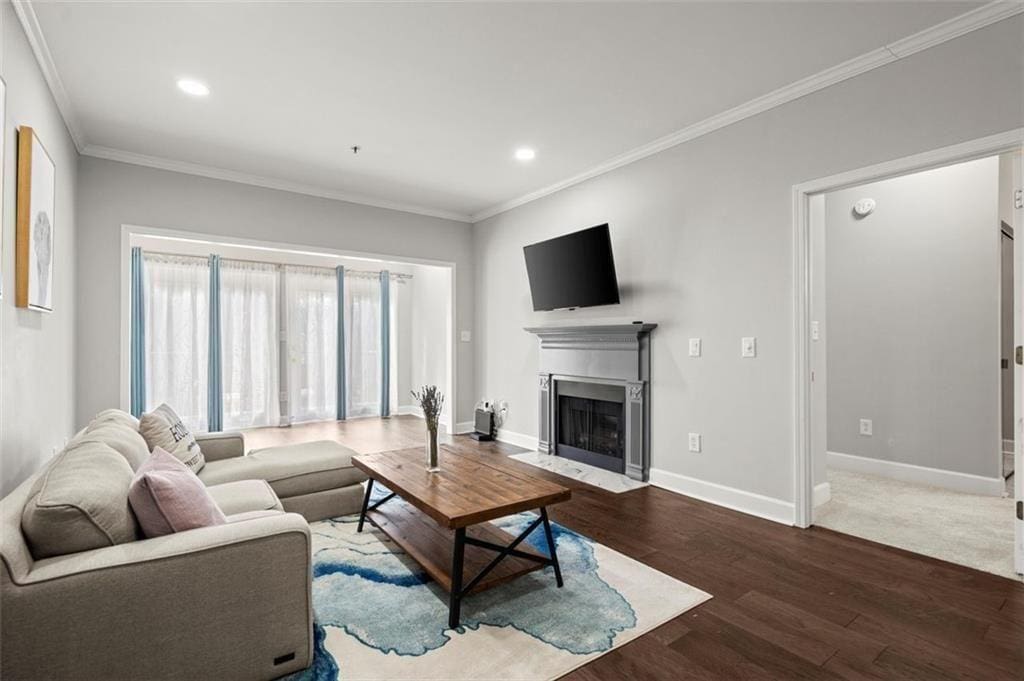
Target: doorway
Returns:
[905, 321]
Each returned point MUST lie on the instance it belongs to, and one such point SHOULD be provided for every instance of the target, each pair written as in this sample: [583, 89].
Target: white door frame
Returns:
[1018, 373]
[992, 145]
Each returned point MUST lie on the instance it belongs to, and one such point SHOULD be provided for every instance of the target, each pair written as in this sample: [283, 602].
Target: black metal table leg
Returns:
[366, 503]
[455, 597]
[551, 546]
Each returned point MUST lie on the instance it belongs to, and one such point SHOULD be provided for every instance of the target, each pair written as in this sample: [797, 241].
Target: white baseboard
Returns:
[738, 500]
[518, 439]
[409, 410]
[822, 494]
[921, 475]
[464, 427]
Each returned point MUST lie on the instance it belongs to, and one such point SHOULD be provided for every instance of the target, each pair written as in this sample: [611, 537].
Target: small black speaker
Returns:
[483, 426]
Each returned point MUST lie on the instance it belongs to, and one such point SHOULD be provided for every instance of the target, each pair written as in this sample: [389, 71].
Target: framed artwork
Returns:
[34, 240]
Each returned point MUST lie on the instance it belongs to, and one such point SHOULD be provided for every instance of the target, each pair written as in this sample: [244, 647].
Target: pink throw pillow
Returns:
[167, 497]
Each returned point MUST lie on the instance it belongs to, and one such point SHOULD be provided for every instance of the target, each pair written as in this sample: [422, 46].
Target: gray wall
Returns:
[703, 243]
[37, 383]
[914, 319]
[112, 194]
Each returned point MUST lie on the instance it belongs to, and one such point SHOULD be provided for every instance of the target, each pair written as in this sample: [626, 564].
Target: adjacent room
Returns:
[913, 368]
[476, 340]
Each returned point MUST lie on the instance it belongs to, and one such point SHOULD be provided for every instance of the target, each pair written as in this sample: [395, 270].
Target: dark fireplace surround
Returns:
[594, 387]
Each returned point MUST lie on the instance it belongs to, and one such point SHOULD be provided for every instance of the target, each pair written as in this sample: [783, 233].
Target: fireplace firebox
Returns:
[591, 427]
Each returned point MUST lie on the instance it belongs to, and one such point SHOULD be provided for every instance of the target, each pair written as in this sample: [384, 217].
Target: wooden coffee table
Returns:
[448, 512]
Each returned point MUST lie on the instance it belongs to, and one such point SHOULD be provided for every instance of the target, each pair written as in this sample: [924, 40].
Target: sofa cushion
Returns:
[244, 496]
[80, 502]
[163, 428]
[167, 497]
[124, 440]
[291, 469]
[121, 418]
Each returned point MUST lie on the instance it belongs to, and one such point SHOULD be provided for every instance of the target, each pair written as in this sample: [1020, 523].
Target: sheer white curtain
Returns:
[311, 319]
[177, 323]
[362, 344]
[249, 343]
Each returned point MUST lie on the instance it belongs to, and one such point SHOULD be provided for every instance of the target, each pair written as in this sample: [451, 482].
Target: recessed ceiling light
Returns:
[193, 87]
[525, 154]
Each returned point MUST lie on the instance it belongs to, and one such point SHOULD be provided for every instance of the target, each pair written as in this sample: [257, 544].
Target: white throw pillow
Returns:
[163, 428]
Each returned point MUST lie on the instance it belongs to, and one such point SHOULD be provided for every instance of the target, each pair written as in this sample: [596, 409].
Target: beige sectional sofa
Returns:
[84, 596]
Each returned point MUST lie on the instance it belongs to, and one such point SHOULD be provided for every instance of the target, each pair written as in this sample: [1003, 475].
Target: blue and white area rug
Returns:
[378, 616]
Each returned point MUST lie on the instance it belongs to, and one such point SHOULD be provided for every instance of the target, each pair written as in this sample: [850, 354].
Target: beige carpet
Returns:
[967, 529]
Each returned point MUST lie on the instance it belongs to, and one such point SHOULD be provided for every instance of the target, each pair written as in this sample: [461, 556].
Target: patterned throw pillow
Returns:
[163, 428]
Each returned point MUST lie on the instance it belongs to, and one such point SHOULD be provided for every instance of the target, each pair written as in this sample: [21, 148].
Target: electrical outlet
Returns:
[465, 336]
[695, 347]
[866, 427]
[695, 442]
[748, 347]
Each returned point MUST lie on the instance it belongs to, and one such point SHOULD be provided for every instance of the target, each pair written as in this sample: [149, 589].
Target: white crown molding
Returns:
[215, 173]
[34, 32]
[930, 37]
[957, 26]
[948, 30]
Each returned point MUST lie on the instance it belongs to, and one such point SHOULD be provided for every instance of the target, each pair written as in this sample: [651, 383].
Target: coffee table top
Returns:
[470, 488]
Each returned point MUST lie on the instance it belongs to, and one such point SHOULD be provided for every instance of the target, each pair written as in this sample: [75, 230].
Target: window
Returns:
[311, 333]
[362, 344]
[177, 322]
[249, 343]
[275, 358]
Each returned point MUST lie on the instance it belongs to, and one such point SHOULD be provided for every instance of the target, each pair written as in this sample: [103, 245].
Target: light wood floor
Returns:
[788, 603]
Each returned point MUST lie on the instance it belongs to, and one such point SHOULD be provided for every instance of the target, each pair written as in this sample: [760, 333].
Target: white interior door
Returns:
[1018, 366]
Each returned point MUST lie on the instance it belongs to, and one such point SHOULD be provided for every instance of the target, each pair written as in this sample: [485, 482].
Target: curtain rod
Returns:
[375, 273]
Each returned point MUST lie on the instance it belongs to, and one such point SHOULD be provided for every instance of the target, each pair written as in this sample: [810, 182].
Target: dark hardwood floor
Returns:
[788, 603]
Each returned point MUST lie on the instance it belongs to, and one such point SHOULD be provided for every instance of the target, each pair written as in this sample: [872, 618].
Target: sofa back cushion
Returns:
[80, 502]
[121, 418]
[163, 428]
[124, 440]
[167, 497]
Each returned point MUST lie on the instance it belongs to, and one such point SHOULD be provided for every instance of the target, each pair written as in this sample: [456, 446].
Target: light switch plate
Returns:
[695, 347]
[695, 442]
[815, 331]
[748, 347]
[465, 336]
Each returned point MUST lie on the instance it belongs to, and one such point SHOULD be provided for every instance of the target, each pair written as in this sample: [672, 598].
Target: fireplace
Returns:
[594, 395]
[590, 424]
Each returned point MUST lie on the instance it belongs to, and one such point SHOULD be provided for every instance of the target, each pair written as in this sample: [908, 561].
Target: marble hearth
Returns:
[594, 395]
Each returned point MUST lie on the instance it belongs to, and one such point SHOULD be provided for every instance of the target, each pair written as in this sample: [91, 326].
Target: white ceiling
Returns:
[437, 95]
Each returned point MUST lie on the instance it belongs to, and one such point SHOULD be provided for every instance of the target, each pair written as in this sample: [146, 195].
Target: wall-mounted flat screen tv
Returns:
[575, 270]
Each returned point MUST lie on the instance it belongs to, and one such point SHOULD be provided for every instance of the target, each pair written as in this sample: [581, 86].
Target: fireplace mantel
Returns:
[612, 354]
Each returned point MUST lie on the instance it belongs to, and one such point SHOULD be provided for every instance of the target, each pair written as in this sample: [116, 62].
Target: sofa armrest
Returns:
[228, 602]
[223, 445]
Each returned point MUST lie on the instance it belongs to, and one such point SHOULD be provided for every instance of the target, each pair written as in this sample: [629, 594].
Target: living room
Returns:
[564, 247]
